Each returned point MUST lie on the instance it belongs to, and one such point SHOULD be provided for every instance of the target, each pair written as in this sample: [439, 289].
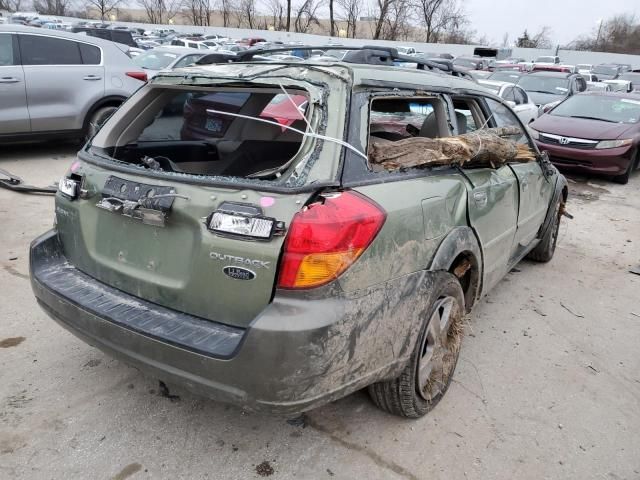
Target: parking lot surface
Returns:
[548, 383]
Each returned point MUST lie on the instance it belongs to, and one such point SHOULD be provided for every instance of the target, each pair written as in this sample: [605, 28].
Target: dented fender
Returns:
[461, 240]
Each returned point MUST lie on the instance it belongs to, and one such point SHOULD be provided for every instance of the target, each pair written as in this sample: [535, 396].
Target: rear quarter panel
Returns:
[420, 213]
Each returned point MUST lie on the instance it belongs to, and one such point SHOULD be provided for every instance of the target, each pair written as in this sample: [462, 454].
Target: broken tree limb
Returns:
[482, 147]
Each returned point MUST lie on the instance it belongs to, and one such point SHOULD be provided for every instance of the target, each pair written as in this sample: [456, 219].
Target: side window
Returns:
[393, 119]
[41, 50]
[466, 115]
[90, 54]
[508, 94]
[121, 37]
[520, 95]
[7, 56]
[504, 117]
[186, 61]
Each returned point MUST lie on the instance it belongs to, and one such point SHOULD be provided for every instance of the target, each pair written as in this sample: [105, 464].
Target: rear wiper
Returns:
[593, 118]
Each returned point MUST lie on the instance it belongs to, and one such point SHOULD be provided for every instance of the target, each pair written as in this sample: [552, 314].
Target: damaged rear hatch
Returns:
[184, 196]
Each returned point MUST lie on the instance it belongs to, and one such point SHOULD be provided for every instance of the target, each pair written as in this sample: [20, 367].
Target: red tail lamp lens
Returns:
[326, 238]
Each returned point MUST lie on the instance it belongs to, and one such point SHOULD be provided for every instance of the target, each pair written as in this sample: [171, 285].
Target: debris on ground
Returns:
[15, 183]
[571, 311]
[163, 391]
[11, 342]
[299, 421]
[264, 469]
[635, 270]
[482, 147]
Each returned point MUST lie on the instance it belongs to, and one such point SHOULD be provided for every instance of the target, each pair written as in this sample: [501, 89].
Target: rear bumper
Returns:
[298, 353]
[610, 161]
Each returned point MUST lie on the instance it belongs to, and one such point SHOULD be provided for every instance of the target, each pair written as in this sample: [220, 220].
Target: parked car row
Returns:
[96, 75]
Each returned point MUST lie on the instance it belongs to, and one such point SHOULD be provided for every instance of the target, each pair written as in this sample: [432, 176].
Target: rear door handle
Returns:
[9, 80]
[92, 77]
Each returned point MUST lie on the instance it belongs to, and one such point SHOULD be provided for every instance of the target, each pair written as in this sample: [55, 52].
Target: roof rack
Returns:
[368, 55]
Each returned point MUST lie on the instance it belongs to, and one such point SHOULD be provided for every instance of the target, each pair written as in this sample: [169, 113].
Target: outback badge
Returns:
[239, 273]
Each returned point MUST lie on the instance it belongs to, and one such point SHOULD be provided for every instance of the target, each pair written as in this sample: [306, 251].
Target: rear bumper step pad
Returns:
[51, 270]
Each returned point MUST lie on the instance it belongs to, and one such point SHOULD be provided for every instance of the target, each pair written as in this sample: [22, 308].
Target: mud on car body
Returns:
[221, 250]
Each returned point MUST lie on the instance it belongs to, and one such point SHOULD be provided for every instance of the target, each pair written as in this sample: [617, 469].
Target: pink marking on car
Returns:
[267, 201]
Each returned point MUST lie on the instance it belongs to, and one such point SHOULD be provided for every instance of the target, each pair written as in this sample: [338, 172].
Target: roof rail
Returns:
[368, 55]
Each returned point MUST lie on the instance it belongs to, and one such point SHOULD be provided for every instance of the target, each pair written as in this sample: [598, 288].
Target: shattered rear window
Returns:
[248, 133]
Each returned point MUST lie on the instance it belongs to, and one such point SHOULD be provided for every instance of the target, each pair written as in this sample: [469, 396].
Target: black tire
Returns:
[624, 178]
[543, 252]
[96, 119]
[402, 396]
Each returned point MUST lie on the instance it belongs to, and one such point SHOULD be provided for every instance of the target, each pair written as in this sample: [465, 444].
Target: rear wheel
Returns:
[543, 252]
[427, 376]
[97, 119]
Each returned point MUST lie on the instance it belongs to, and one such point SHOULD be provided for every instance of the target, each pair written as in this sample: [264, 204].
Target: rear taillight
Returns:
[326, 237]
[142, 76]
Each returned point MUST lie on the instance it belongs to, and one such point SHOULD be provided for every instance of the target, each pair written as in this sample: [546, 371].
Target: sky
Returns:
[567, 18]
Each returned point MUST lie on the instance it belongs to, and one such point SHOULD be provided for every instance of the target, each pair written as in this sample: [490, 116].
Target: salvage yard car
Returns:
[593, 132]
[57, 84]
[551, 87]
[274, 267]
[516, 97]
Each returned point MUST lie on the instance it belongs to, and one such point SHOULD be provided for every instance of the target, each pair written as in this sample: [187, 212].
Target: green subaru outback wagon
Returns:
[226, 231]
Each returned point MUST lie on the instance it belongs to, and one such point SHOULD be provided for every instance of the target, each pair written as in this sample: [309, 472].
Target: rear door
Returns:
[14, 115]
[534, 189]
[63, 79]
[492, 202]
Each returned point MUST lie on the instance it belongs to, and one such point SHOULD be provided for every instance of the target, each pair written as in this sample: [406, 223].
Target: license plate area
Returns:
[148, 203]
[155, 196]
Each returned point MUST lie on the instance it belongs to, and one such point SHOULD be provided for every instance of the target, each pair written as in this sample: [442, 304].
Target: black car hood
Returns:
[544, 98]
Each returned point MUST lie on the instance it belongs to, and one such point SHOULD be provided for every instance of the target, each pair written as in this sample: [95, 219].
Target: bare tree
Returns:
[198, 11]
[350, 14]
[104, 7]
[225, 7]
[542, 39]
[438, 16]
[160, 11]
[275, 10]
[505, 39]
[247, 14]
[392, 20]
[381, 12]
[306, 15]
[52, 7]
[619, 34]
[539, 40]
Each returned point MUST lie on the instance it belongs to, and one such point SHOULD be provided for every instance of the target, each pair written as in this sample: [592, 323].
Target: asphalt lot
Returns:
[548, 385]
